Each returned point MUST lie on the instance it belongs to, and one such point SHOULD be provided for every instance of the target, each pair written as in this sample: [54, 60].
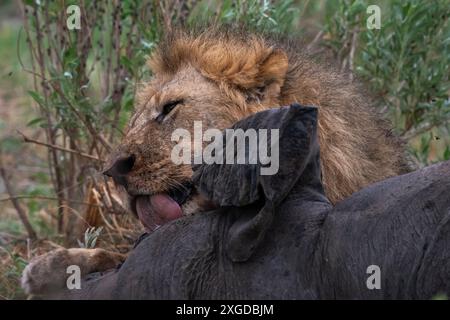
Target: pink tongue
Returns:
[156, 210]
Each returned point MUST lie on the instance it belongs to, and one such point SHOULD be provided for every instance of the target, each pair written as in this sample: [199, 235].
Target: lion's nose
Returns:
[120, 168]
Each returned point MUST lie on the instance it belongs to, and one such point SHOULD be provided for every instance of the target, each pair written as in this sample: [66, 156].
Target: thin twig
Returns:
[426, 126]
[315, 41]
[12, 198]
[88, 125]
[20, 212]
[48, 145]
[40, 62]
[5, 235]
[352, 52]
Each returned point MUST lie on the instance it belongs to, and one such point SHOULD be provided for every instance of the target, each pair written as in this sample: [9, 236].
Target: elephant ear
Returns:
[292, 142]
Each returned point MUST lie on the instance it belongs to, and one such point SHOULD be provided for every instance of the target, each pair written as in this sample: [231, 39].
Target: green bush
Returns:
[405, 63]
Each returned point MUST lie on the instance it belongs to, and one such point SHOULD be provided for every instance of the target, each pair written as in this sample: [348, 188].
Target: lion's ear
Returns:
[274, 67]
[270, 77]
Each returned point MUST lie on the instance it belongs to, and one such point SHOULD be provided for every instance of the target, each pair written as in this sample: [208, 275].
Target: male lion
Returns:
[219, 77]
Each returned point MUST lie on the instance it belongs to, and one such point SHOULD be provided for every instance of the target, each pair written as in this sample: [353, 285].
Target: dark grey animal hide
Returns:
[278, 237]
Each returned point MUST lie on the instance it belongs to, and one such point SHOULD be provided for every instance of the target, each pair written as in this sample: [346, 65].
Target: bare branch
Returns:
[12, 198]
[315, 41]
[20, 212]
[48, 145]
[422, 128]
[352, 52]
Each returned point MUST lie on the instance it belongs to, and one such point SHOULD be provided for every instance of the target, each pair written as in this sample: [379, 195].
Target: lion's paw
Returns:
[48, 273]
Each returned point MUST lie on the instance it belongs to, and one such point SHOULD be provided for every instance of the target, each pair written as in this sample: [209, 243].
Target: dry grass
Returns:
[118, 235]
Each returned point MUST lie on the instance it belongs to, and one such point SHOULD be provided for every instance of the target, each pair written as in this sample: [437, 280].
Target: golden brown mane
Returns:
[356, 143]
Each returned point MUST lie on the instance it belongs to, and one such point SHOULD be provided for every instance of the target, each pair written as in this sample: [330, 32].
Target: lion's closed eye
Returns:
[167, 108]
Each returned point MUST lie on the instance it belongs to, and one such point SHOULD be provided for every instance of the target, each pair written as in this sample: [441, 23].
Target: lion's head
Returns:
[213, 79]
[219, 77]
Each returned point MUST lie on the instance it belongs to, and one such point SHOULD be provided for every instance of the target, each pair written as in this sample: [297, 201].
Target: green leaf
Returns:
[446, 155]
[35, 121]
[37, 97]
